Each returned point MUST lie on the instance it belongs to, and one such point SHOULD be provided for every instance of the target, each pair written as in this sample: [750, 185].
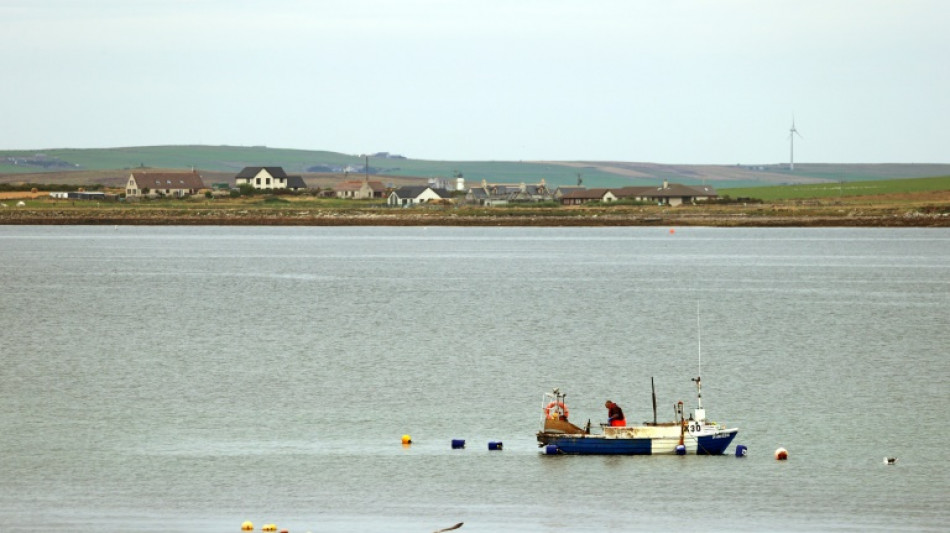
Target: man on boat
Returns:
[614, 414]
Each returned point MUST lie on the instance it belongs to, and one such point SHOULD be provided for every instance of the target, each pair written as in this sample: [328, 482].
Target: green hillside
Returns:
[231, 159]
[841, 189]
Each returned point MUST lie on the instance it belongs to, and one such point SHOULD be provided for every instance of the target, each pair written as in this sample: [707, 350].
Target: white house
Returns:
[268, 178]
[585, 196]
[416, 194]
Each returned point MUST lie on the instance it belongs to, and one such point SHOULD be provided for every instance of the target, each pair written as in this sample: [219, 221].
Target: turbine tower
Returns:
[792, 132]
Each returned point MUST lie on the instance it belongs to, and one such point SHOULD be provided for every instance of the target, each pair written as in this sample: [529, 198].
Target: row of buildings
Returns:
[179, 184]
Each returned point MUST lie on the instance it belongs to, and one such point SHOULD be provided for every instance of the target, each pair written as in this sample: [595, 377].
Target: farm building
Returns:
[177, 184]
[360, 189]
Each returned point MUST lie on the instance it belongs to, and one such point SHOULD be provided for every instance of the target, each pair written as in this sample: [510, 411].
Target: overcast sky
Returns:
[667, 81]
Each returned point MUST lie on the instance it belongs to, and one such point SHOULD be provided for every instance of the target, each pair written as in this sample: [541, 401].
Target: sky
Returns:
[669, 81]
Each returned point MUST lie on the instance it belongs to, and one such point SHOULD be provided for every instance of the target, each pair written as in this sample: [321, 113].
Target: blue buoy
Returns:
[680, 449]
[494, 445]
[741, 450]
[458, 443]
[550, 449]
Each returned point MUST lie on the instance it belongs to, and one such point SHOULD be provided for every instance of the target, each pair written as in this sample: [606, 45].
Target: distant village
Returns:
[143, 184]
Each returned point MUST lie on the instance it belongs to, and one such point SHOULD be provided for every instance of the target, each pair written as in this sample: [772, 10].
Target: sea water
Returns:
[162, 379]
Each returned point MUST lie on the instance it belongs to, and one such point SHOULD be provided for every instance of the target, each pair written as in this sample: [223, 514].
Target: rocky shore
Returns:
[693, 216]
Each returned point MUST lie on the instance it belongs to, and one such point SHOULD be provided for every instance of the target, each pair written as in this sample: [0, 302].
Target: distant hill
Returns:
[761, 175]
[221, 163]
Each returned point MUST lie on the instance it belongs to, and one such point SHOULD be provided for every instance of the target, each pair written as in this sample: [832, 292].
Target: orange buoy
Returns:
[781, 454]
[555, 410]
[406, 439]
[672, 231]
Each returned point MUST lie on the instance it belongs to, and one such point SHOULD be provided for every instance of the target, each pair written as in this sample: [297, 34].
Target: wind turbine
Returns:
[792, 132]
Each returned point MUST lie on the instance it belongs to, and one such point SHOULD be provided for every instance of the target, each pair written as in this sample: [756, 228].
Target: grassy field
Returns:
[841, 189]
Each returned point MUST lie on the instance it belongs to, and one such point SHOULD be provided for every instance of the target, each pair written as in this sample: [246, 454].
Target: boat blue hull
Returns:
[597, 445]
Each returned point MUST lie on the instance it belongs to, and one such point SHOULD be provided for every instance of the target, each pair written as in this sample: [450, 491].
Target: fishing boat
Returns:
[693, 435]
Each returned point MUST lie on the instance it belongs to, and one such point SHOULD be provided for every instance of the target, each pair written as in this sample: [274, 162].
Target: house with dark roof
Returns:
[416, 194]
[296, 183]
[566, 189]
[177, 184]
[585, 196]
[672, 194]
[497, 194]
[269, 178]
[478, 196]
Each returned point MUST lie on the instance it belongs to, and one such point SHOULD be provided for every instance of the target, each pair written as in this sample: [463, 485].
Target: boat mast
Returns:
[653, 388]
[699, 413]
[699, 343]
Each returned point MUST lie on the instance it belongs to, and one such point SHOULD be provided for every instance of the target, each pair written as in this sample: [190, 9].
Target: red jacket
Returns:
[614, 412]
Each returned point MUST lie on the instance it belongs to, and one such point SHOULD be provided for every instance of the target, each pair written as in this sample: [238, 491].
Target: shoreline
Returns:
[217, 217]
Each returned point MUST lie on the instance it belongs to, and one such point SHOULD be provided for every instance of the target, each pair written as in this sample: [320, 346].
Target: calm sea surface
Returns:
[189, 379]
